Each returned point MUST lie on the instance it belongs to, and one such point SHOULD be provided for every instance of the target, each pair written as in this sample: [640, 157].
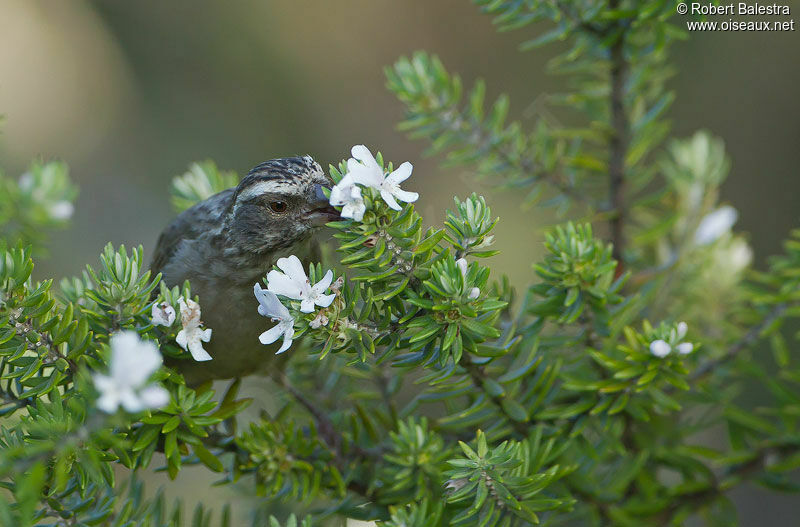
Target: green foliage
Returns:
[415, 463]
[59, 447]
[577, 272]
[468, 228]
[200, 182]
[288, 463]
[471, 134]
[429, 392]
[41, 200]
[119, 291]
[415, 515]
[501, 485]
[292, 521]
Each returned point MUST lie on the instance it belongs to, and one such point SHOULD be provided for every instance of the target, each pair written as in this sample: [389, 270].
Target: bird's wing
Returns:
[189, 225]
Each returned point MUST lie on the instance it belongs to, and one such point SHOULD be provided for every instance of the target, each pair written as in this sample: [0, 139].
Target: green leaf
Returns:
[208, 459]
[514, 410]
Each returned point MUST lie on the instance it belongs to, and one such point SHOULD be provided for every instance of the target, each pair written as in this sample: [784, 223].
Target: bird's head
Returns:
[279, 203]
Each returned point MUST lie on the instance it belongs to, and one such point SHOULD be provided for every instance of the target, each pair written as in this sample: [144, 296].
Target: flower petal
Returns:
[683, 327]
[402, 173]
[190, 312]
[389, 199]
[715, 224]
[324, 300]
[685, 348]
[363, 154]
[280, 284]
[343, 191]
[287, 340]
[162, 314]
[61, 210]
[133, 360]
[307, 305]
[293, 267]
[198, 352]
[108, 402]
[403, 195]
[324, 284]
[182, 339]
[354, 211]
[272, 334]
[364, 175]
[660, 348]
[130, 401]
[268, 303]
[103, 383]
[154, 396]
[461, 263]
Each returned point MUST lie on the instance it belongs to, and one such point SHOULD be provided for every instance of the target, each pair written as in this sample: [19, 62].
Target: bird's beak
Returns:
[320, 198]
[320, 210]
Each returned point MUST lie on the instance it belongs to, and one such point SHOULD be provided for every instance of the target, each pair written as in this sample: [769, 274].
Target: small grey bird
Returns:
[228, 242]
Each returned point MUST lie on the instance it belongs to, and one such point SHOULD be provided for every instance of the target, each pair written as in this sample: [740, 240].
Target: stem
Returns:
[482, 140]
[749, 338]
[742, 471]
[327, 431]
[382, 383]
[478, 376]
[618, 144]
[578, 22]
[603, 507]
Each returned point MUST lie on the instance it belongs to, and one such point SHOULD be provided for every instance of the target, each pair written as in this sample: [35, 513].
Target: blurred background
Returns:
[130, 93]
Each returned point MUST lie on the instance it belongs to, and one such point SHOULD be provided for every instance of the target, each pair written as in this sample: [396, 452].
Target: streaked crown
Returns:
[288, 175]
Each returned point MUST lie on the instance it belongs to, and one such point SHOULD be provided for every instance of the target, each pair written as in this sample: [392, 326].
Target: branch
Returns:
[477, 374]
[745, 342]
[741, 471]
[618, 144]
[483, 141]
[331, 436]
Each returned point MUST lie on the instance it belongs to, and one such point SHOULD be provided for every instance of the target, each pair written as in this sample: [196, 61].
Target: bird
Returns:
[227, 243]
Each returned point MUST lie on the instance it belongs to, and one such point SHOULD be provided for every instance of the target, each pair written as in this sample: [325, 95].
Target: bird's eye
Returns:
[278, 206]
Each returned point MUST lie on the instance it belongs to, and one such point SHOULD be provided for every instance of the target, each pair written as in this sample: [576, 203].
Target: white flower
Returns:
[26, 182]
[661, 348]
[487, 241]
[348, 195]
[320, 320]
[132, 362]
[163, 314]
[715, 224]
[61, 210]
[455, 484]
[191, 337]
[293, 283]
[739, 255]
[270, 306]
[366, 171]
[462, 265]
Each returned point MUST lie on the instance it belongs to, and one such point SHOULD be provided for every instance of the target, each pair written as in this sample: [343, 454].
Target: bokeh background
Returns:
[130, 93]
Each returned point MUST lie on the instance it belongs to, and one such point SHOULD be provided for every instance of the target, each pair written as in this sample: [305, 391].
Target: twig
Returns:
[702, 497]
[746, 341]
[618, 144]
[481, 140]
[324, 425]
[327, 430]
[477, 374]
[566, 9]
